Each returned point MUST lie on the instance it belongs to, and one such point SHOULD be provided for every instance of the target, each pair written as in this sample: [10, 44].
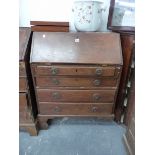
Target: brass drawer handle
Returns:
[54, 71]
[96, 97]
[99, 71]
[55, 81]
[94, 109]
[56, 109]
[56, 95]
[97, 82]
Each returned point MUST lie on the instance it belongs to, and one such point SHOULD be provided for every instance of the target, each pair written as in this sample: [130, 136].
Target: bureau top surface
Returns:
[24, 35]
[77, 47]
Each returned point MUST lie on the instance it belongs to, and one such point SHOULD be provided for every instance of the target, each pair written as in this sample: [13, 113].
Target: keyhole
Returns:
[76, 70]
[77, 40]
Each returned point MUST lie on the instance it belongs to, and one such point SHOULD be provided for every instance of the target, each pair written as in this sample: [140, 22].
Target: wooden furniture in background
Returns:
[129, 137]
[127, 33]
[127, 42]
[27, 103]
[75, 74]
[129, 104]
[46, 26]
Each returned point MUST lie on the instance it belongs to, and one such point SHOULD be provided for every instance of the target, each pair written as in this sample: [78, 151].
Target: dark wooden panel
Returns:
[22, 84]
[130, 110]
[75, 70]
[84, 48]
[51, 23]
[127, 42]
[129, 137]
[26, 101]
[24, 35]
[22, 101]
[49, 95]
[75, 109]
[46, 82]
[22, 69]
[50, 28]
[25, 117]
[25, 113]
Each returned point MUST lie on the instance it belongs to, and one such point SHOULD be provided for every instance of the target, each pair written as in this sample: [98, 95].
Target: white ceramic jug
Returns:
[87, 15]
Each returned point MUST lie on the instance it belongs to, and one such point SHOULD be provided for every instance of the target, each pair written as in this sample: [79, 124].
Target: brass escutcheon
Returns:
[99, 71]
[56, 95]
[96, 97]
[54, 71]
[97, 82]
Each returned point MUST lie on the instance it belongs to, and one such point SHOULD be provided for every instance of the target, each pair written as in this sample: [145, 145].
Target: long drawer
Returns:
[50, 95]
[75, 70]
[45, 82]
[75, 109]
[22, 84]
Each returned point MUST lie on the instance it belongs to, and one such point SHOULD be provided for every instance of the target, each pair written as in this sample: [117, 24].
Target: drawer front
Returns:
[75, 109]
[75, 70]
[47, 95]
[22, 84]
[22, 101]
[22, 69]
[45, 82]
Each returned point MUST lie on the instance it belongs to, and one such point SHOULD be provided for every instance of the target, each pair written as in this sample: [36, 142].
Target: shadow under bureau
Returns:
[75, 74]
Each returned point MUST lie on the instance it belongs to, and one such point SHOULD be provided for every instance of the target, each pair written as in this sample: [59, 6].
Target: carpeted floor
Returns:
[75, 136]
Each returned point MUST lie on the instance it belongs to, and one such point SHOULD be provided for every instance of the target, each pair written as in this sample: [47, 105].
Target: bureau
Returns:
[27, 111]
[75, 74]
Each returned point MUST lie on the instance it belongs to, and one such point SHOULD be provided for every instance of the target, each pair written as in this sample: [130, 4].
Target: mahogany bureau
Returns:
[75, 74]
[27, 111]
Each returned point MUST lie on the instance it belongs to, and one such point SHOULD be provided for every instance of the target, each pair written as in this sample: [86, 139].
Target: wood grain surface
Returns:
[84, 48]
